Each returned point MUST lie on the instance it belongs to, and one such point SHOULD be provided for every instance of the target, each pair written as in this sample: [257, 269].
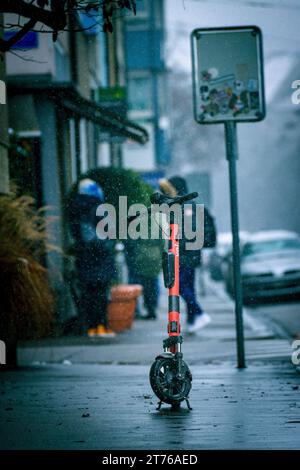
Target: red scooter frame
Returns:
[170, 377]
[174, 313]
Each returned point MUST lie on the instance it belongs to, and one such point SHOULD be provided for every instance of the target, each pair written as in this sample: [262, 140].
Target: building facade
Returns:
[147, 93]
[58, 125]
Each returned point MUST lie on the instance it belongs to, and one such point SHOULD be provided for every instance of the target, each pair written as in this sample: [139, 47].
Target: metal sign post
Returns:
[228, 88]
[232, 156]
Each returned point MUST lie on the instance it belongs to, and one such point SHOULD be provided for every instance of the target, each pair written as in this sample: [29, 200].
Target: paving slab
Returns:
[113, 407]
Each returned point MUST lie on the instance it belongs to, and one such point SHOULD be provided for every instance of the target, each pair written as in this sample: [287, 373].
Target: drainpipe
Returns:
[4, 167]
[114, 41]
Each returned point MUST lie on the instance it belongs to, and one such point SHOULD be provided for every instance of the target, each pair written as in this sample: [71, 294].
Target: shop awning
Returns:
[66, 96]
[107, 120]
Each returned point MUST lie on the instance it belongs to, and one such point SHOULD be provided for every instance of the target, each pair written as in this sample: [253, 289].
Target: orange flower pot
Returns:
[120, 311]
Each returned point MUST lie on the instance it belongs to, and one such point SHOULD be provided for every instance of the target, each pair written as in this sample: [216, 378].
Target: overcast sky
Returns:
[279, 21]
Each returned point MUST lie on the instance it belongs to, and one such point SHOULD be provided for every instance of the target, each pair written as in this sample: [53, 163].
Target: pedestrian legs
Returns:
[93, 304]
[187, 292]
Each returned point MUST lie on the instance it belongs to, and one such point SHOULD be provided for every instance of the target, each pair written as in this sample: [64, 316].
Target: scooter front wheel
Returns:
[169, 386]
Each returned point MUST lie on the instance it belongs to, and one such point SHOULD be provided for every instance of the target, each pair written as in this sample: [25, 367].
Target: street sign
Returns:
[112, 94]
[115, 100]
[228, 80]
[228, 87]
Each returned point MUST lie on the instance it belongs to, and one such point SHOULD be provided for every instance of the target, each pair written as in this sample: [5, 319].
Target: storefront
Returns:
[54, 137]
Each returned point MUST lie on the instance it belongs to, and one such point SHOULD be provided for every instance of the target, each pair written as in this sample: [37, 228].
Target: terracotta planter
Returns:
[121, 308]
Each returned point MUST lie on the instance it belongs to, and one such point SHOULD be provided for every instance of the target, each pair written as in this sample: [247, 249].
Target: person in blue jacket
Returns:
[189, 259]
[94, 257]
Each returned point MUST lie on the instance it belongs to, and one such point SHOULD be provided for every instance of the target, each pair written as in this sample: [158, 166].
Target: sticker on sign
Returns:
[228, 80]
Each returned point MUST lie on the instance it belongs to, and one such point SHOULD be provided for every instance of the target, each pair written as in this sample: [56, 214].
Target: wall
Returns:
[40, 59]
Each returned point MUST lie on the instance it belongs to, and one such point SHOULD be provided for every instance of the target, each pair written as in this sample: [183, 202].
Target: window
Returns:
[270, 246]
[84, 165]
[142, 10]
[73, 151]
[25, 164]
[163, 93]
[103, 59]
[140, 93]
[143, 19]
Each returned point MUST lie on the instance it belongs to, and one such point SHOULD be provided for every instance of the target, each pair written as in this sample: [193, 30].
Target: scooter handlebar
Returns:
[158, 198]
[186, 197]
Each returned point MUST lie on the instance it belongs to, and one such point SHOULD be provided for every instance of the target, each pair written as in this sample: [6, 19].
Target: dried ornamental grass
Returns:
[26, 301]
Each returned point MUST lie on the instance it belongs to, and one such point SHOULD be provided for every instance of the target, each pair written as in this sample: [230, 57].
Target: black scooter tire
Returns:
[163, 393]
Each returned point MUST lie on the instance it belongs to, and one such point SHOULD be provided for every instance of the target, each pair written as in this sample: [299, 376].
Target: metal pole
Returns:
[232, 156]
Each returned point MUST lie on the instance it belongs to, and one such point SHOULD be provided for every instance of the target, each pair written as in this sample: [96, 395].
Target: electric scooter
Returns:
[170, 376]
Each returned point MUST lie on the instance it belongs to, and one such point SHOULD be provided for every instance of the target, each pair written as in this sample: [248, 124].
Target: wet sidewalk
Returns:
[78, 394]
[113, 407]
[215, 343]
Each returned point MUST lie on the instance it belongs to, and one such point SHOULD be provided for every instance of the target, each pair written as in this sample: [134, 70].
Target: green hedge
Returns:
[117, 182]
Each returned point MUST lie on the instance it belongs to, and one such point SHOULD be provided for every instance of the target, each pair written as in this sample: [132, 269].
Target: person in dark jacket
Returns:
[94, 258]
[189, 259]
[143, 258]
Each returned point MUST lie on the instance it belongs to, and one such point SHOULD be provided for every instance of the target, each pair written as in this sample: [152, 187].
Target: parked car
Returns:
[217, 259]
[270, 266]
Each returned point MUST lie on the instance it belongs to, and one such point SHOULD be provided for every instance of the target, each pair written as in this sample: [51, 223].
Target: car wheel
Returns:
[247, 301]
[229, 289]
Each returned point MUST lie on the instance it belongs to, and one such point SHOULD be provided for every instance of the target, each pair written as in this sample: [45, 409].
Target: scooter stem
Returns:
[174, 300]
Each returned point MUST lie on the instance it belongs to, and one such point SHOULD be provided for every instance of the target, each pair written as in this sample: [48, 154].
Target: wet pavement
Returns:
[74, 393]
[113, 407]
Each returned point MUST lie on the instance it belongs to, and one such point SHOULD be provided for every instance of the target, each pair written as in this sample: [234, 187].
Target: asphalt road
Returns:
[285, 314]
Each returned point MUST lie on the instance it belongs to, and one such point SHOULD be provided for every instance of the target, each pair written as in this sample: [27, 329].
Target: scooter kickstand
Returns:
[188, 404]
[159, 405]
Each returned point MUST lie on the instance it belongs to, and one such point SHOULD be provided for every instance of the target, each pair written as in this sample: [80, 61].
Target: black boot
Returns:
[151, 315]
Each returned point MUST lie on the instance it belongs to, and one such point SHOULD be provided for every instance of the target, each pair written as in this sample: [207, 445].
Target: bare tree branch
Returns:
[54, 18]
[6, 45]
[54, 14]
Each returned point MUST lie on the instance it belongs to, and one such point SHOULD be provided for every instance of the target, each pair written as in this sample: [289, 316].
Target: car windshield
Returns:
[270, 246]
